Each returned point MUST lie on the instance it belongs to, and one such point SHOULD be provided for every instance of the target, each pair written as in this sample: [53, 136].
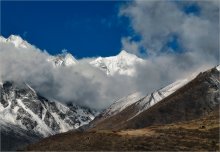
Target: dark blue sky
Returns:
[85, 29]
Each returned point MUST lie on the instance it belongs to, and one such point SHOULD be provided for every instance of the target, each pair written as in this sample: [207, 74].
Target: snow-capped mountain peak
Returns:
[17, 41]
[123, 63]
[125, 54]
[218, 67]
[65, 59]
[69, 59]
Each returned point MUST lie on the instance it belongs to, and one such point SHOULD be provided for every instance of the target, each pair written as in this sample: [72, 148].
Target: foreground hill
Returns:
[199, 134]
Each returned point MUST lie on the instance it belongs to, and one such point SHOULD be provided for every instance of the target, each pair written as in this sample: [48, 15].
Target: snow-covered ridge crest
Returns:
[122, 103]
[157, 96]
[143, 102]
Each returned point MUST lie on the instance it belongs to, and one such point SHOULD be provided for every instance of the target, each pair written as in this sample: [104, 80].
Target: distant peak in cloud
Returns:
[16, 40]
[15, 37]
[124, 63]
[125, 54]
[64, 59]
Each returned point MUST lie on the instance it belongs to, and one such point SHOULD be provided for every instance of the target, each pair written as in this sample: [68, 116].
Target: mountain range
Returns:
[123, 63]
[27, 117]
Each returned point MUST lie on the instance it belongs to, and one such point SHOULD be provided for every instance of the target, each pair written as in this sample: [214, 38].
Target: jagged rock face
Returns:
[23, 107]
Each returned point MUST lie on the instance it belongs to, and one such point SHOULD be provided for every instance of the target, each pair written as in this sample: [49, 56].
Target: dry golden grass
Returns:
[196, 135]
[137, 132]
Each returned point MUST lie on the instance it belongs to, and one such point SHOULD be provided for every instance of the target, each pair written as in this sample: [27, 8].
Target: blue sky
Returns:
[85, 29]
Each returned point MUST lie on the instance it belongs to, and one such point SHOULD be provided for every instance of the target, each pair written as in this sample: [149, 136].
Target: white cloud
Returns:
[82, 84]
[157, 21]
[130, 45]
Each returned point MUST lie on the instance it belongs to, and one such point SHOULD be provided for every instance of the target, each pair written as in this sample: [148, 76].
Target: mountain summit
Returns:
[16, 40]
[64, 59]
[124, 63]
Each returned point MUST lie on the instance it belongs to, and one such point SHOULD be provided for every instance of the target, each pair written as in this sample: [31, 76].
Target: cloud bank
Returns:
[82, 84]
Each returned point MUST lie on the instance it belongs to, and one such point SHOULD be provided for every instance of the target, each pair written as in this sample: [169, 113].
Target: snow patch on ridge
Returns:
[218, 67]
[159, 95]
[143, 102]
[123, 103]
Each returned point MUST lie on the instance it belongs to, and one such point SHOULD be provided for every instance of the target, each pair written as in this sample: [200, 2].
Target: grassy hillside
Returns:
[199, 134]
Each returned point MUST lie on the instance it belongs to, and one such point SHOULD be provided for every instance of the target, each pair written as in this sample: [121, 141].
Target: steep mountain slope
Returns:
[14, 137]
[190, 101]
[139, 104]
[121, 104]
[195, 99]
[23, 108]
